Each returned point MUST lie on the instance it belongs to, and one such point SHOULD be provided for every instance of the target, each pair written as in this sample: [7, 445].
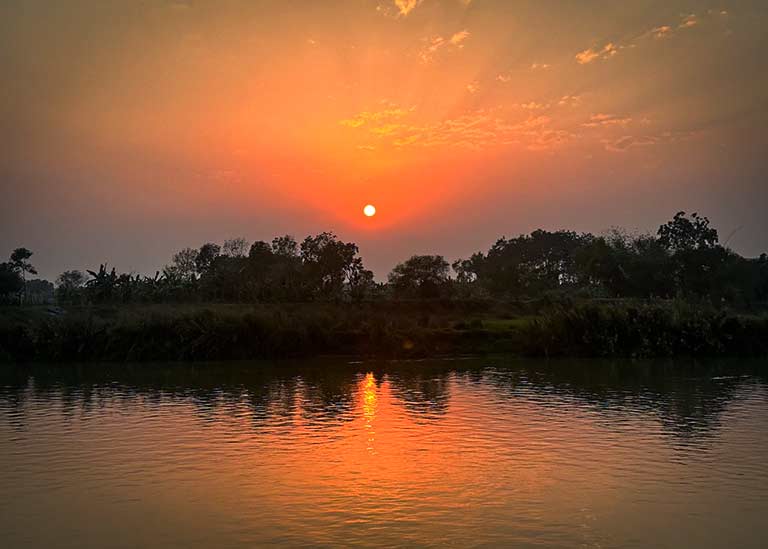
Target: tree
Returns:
[11, 283]
[260, 250]
[103, 284]
[69, 285]
[206, 257]
[39, 292]
[527, 264]
[422, 276]
[682, 233]
[362, 285]
[695, 252]
[285, 246]
[622, 265]
[184, 264]
[235, 247]
[20, 261]
[329, 264]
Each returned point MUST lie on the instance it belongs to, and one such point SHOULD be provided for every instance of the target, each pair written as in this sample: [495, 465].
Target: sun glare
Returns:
[369, 210]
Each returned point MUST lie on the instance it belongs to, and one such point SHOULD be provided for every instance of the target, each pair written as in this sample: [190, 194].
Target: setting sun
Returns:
[369, 210]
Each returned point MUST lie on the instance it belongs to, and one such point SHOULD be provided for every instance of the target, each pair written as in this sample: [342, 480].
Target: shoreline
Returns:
[212, 332]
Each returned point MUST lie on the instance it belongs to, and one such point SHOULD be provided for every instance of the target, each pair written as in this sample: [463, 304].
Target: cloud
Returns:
[438, 43]
[533, 106]
[386, 129]
[662, 31]
[540, 66]
[504, 78]
[387, 115]
[406, 6]
[626, 142]
[473, 87]
[569, 100]
[591, 54]
[397, 127]
[459, 37]
[689, 21]
[602, 119]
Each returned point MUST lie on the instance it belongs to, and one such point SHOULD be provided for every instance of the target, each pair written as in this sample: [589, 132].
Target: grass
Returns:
[220, 332]
[393, 329]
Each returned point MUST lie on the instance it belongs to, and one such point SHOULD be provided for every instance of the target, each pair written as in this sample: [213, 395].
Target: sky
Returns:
[132, 129]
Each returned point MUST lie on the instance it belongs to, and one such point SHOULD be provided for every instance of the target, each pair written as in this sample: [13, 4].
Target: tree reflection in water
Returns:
[687, 398]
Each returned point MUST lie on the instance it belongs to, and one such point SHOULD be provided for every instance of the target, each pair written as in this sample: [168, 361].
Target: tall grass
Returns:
[236, 332]
[221, 332]
[650, 330]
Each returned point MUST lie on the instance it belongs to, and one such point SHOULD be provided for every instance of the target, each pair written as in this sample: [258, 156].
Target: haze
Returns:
[133, 129]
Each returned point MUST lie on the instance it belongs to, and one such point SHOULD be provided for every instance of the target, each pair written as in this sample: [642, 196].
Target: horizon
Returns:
[380, 276]
[133, 131]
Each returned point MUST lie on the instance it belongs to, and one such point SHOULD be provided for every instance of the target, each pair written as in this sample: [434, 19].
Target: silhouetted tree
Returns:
[184, 264]
[11, 283]
[102, 285]
[329, 264]
[69, 285]
[235, 247]
[39, 291]
[285, 246]
[527, 264]
[206, 257]
[684, 258]
[422, 276]
[20, 261]
[682, 233]
[260, 251]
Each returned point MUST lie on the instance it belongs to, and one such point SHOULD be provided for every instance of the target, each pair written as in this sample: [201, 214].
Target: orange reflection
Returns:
[369, 399]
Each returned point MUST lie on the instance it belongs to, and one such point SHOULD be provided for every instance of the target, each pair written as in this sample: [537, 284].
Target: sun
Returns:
[369, 210]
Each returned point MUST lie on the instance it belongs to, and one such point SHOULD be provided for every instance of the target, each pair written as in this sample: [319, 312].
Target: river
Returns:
[492, 452]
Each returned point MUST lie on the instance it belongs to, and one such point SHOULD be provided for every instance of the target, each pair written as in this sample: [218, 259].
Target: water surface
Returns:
[468, 453]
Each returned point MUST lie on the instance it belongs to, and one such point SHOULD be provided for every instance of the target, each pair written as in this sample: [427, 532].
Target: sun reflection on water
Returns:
[369, 390]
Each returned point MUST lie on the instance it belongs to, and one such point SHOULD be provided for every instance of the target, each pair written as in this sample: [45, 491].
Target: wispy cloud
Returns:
[626, 142]
[533, 106]
[439, 43]
[459, 37]
[540, 66]
[661, 32]
[475, 130]
[388, 114]
[591, 54]
[602, 119]
[406, 6]
[689, 21]
[569, 101]
[610, 49]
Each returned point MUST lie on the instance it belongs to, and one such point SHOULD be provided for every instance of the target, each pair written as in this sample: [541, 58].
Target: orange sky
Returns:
[133, 129]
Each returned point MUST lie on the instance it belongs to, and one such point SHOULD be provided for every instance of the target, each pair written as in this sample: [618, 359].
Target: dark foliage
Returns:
[676, 292]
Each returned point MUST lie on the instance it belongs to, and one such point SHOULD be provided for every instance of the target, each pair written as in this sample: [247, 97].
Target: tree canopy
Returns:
[684, 258]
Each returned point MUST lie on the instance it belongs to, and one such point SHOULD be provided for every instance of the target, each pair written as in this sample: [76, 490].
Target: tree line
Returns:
[684, 258]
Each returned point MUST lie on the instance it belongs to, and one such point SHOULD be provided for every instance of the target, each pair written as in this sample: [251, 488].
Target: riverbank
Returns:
[397, 330]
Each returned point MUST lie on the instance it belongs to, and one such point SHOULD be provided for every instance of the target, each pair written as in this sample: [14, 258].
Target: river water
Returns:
[493, 452]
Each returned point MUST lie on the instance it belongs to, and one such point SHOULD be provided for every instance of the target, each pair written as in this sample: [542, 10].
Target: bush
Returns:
[645, 331]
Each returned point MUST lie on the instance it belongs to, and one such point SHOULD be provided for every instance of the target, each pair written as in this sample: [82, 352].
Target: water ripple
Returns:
[473, 453]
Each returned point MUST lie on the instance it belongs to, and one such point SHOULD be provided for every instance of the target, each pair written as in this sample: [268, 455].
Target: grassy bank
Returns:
[232, 332]
[224, 332]
[677, 329]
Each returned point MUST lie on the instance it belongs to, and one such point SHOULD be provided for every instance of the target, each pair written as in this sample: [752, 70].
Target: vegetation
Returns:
[547, 293]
